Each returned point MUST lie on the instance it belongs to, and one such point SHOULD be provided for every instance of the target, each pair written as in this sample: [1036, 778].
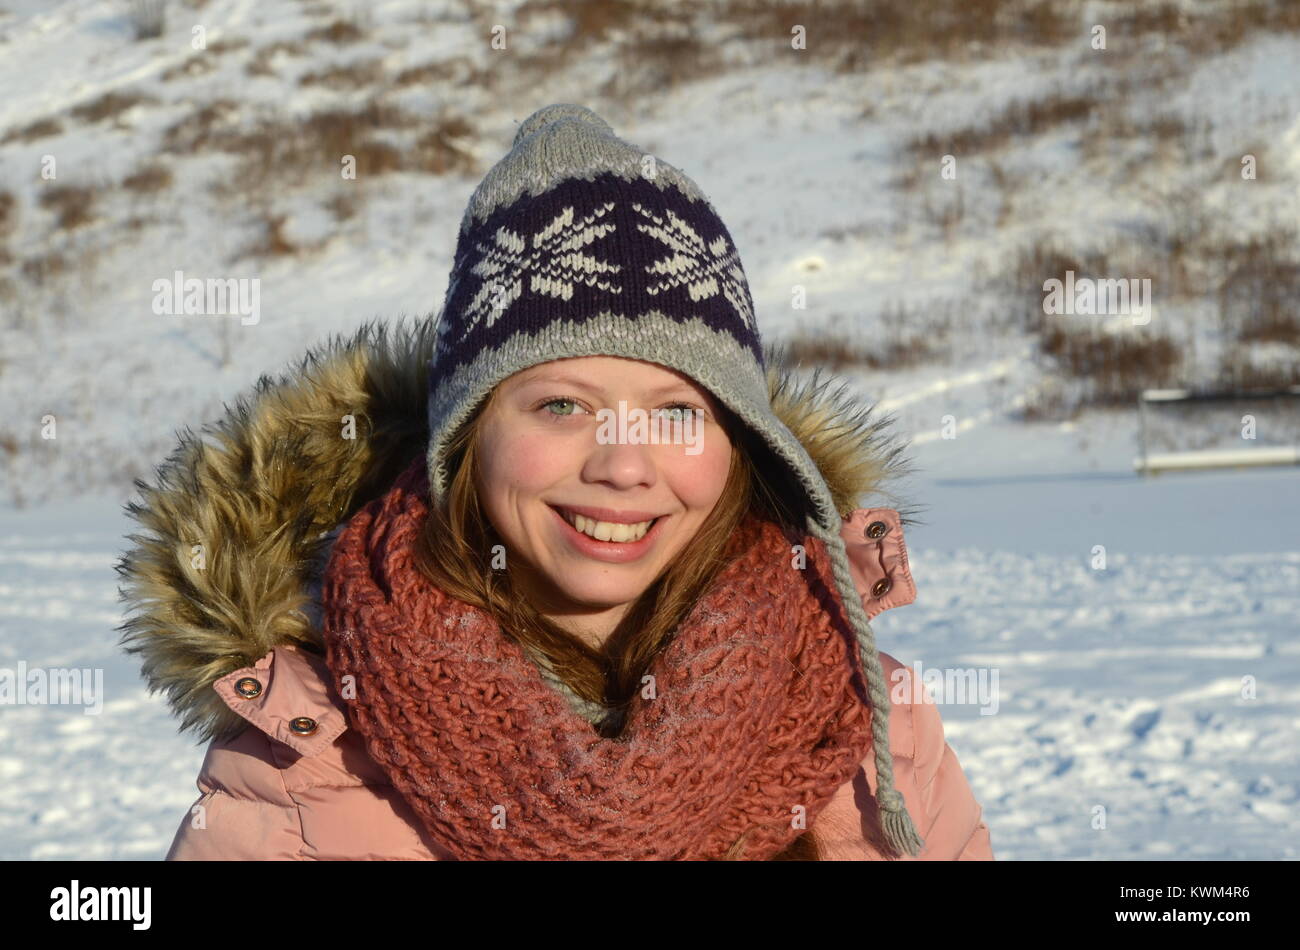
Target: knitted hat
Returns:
[576, 244]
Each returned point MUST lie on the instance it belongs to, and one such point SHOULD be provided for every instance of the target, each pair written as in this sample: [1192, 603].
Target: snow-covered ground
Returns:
[1121, 688]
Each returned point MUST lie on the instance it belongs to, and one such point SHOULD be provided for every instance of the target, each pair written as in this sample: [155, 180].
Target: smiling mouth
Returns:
[613, 531]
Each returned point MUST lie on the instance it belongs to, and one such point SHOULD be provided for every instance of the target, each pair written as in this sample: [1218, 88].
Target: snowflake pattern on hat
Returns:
[697, 264]
[587, 247]
[554, 260]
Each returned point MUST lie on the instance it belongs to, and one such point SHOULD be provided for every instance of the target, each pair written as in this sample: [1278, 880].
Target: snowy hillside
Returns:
[1121, 686]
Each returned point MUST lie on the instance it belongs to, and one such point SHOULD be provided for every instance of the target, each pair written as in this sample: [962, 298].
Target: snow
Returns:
[1160, 692]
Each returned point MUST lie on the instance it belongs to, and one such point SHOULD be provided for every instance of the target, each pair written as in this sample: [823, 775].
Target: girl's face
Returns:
[570, 488]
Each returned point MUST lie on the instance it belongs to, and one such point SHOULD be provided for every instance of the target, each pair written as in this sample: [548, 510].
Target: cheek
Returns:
[698, 480]
[521, 463]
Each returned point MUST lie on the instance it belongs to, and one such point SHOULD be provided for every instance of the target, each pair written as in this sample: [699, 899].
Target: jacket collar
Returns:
[289, 695]
[235, 524]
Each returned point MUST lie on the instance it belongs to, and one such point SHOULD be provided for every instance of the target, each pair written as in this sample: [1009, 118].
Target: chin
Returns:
[602, 595]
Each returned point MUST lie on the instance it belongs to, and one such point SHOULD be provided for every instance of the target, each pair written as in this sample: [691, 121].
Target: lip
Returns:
[611, 552]
[626, 516]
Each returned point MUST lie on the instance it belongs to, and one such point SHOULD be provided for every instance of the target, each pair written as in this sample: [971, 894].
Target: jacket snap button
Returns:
[881, 586]
[303, 725]
[248, 687]
[877, 529]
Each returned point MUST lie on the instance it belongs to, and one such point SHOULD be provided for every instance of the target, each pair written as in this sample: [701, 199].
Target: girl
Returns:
[590, 583]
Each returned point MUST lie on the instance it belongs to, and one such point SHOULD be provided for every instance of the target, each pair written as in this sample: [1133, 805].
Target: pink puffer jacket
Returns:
[273, 793]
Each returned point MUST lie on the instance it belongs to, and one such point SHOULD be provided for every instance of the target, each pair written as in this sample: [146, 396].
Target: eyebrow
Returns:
[578, 383]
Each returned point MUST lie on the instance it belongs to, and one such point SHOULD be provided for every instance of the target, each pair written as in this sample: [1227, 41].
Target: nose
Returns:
[620, 464]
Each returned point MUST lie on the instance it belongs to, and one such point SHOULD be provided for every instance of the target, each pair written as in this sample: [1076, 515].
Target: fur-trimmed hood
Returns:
[236, 524]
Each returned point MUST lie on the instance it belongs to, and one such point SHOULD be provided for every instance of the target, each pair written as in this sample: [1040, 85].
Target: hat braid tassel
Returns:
[895, 820]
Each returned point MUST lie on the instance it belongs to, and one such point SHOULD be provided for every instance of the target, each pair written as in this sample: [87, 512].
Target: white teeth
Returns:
[608, 530]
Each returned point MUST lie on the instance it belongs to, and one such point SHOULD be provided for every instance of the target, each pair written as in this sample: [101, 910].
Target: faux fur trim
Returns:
[234, 524]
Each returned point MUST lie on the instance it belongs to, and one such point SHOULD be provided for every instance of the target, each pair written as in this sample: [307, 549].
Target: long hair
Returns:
[453, 553]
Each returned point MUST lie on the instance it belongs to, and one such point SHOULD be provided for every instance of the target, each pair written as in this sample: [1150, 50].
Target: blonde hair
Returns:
[453, 552]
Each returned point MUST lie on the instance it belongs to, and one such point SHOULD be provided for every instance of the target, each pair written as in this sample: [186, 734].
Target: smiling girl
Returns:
[443, 614]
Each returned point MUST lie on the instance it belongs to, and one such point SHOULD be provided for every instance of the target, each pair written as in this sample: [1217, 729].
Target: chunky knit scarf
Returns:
[751, 723]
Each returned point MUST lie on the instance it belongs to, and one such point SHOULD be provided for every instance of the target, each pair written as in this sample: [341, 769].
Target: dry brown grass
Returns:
[1090, 368]
[273, 241]
[278, 146]
[424, 74]
[44, 269]
[1240, 368]
[1254, 284]
[358, 75]
[259, 67]
[111, 105]
[200, 64]
[1006, 192]
[1114, 367]
[343, 205]
[1165, 127]
[652, 47]
[41, 128]
[1097, 367]
[591, 20]
[1200, 30]
[944, 207]
[662, 62]
[1175, 246]
[1039, 261]
[1259, 297]
[657, 47]
[8, 213]
[896, 343]
[73, 205]
[282, 48]
[278, 151]
[148, 18]
[853, 35]
[440, 151]
[206, 128]
[229, 44]
[204, 61]
[148, 179]
[1164, 136]
[340, 32]
[259, 64]
[1021, 118]
[459, 69]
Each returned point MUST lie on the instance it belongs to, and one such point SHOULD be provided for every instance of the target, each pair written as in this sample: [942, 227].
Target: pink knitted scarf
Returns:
[754, 723]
